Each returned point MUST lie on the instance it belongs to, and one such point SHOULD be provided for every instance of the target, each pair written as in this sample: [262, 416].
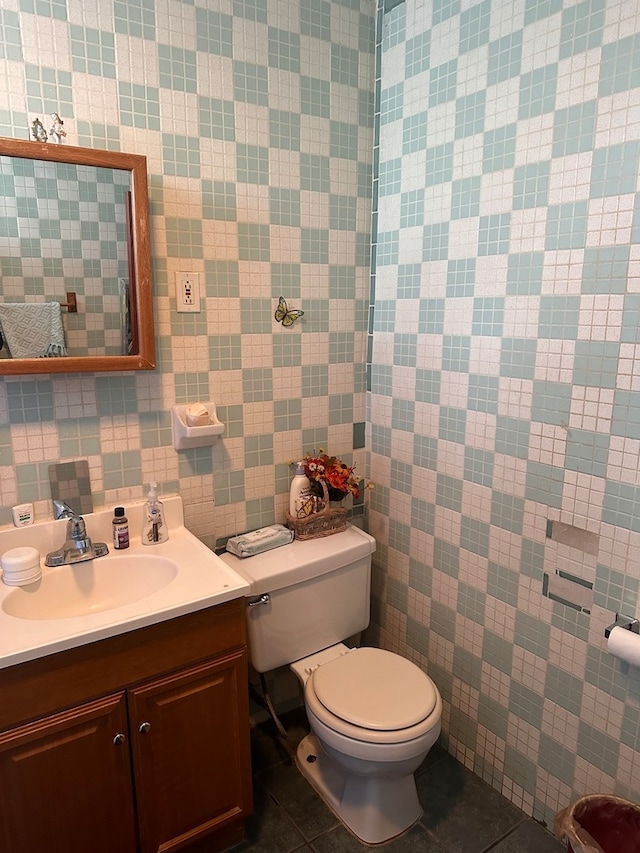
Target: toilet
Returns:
[373, 714]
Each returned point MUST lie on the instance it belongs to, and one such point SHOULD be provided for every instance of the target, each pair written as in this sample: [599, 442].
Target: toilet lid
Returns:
[375, 689]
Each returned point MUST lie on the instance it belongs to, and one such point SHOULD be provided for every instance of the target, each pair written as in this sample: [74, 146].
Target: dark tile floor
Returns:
[462, 814]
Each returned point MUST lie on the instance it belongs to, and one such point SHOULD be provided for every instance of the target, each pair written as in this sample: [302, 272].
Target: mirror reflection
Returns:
[63, 228]
[74, 260]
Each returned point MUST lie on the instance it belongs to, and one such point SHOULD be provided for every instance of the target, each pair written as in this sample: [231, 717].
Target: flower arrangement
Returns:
[336, 474]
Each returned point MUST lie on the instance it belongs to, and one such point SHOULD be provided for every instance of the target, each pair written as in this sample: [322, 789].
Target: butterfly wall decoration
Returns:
[285, 315]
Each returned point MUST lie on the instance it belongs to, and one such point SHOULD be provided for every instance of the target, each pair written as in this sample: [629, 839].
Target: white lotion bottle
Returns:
[300, 493]
[154, 527]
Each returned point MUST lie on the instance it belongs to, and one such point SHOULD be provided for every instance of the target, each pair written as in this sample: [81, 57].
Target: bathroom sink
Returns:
[90, 587]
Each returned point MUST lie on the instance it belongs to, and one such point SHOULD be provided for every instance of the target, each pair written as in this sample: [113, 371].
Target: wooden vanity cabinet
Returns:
[134, 744]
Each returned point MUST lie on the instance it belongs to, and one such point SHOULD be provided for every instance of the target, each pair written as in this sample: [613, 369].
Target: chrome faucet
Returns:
[78, 547]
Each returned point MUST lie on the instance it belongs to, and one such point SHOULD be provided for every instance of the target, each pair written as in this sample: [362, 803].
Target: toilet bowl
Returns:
[374, 715]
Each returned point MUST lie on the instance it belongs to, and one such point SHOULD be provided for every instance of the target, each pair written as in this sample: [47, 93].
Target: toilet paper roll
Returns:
[625, 645]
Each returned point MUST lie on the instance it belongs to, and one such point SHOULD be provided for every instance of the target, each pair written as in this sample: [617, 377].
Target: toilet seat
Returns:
[373, 695]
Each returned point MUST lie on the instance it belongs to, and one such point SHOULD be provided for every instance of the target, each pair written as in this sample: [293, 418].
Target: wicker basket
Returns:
[326, 522]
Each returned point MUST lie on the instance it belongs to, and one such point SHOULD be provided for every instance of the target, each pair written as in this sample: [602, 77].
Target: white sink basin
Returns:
[91, 587]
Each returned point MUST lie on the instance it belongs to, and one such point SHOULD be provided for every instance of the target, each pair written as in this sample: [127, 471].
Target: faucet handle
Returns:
[61, 509]
[76, 528]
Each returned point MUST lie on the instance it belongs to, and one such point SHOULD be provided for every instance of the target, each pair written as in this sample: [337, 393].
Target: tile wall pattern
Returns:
[505, 380]
[256, 117]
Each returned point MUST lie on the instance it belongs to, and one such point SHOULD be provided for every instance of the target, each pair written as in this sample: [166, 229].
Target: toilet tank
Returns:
[317, 594]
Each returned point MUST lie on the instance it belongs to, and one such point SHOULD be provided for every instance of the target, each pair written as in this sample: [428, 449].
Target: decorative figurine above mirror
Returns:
[53, 254]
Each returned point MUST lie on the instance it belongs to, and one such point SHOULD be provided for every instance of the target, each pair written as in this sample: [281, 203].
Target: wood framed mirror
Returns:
[51, 256]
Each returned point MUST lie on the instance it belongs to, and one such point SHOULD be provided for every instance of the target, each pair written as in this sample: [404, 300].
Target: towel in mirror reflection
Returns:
[32, 329]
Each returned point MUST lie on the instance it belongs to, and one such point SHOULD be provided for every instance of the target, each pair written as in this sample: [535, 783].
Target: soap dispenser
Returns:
[154, 527]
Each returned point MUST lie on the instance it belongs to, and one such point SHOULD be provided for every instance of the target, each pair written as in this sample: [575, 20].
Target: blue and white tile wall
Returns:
[257, 121]
[505, 379]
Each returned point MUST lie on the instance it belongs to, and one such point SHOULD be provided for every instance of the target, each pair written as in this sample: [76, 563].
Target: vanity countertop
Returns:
[202, 580]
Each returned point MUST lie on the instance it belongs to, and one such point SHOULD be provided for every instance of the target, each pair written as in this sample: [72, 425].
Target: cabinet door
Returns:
[190, 741]
[65, 782]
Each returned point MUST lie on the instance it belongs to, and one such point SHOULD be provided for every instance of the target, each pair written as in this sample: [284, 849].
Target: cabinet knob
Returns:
[119, 738]
[143, 728]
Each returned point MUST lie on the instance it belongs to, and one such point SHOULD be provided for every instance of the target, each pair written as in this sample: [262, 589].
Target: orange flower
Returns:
[337, 475]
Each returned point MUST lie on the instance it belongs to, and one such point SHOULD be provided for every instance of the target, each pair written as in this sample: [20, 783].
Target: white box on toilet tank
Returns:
[319, 594]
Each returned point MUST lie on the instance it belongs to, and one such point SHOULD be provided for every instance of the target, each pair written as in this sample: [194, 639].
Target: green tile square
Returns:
[343, 211]
[389, 176]
[483, 394]
[538, 91]
[505, 58]
[387, 248]
[219, 200]
[315, 19]
[596, 364]
[494, 234]
[252, 164]
[465, 197]
[439, 164]
[214, 32]
[507, 512]
[619, 65]
[551, 403]
[344, 65]
[518, 358]
[285, 279]
[544, 484]
[443, 83]
[405, 349]
[582, 27]
[251, 83]
[315, 380]
[284, 130]
[284, 206]
[478, 466]
[425, 452]
[216, 119]
[558, 317]
[284, 50]
[431, 316]
[254, 242]
[456, 353]
[177, 68]
[435, 242]
[475, 26]
[343, 140]
[461, 277]
[452, 424]
[449, 492]
[428, 385]
[587, 452]
[614, 170]
[257, 384]
[417, 54]
[414, 133]
[256, 316]
[315, 172]
[470, 112]
[524, 273]
[567, 225]
[605, 269]
[574, 129]
[315, 97]
[488, 315]
[499, 148]
[314, 246]
[531, 185]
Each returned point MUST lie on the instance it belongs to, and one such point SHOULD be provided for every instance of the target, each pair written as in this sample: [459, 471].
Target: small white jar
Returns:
[20, 566]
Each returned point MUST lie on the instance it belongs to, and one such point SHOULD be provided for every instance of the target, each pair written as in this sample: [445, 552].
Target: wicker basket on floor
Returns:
[326, 522]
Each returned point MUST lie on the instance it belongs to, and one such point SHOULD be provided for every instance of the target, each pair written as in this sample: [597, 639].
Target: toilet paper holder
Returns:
[630, 623]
